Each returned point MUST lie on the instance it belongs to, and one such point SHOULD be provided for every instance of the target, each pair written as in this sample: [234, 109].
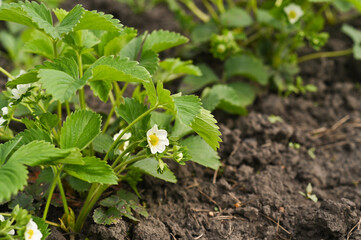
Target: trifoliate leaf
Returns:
[248, 66]
[13, 178]
[201, 152]
[150, 166]
[80, 129]
[124, 202]
[205, 126]
[93, 171]
[187, 107]
[161, 40]
[38, 153]
[93, 20]
[236, 17]
[191, 84]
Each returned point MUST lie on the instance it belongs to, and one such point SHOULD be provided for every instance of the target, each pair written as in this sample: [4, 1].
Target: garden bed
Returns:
[256, 192]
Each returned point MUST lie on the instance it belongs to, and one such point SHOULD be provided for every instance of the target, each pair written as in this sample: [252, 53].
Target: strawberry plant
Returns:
[69, 141]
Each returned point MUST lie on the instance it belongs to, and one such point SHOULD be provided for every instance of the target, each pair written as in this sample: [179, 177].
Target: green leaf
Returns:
[102, 143]
[38, 153]
[7, 148]
[68, 22]
[201, 152]
[177, 66]
[205, 126]
[59, 84]
[40, 44]
[81, 39]
[60, 78]
[161, 40]
[164, 97]
[150, 166]
[149, 60]
[25, 78]
[187, 107]
[236, 17]
[101, 89]
[80, 129]
[13, 178]
[77, 184]
[162, 119]
[49, 120]
[60, 13]
[13, 12]
[93, 171]
[130, 110]
[116, 206]
[93, 20]
[232, 99]
[191, 84]
[117, 69]
[248, 66]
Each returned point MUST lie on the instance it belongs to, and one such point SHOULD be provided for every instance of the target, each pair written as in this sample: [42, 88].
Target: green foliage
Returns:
[236, 17]
[93, 171]
[205, 126]
[201, 152]
[13, 178]
[66, 141]
[80, 129]
[117, 206]
[150, 166]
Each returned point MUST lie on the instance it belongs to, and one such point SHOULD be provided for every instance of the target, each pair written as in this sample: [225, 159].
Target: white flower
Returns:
[294, 12]
[32, 232]
[124, 144]
[157, 139]
[12, 231]
[20, 90]
[1, 2]
[5, 110]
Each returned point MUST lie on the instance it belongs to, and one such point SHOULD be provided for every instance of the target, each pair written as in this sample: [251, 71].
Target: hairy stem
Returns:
[52, 188]
[6, 73]
[63, 197]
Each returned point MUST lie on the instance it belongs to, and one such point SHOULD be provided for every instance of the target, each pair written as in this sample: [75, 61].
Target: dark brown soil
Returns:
[255, 195]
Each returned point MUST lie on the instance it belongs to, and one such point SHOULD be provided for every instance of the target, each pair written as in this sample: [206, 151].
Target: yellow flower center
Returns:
[31, 233]
[153, 139]
[292, 14]
[121, 146]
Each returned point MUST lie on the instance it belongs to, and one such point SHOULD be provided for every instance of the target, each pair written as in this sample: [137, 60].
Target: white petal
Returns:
[16, 94]
[2, 120]
[153, 130]
[31, 225]
[5, 110]
[2, 218]
[116, 135]
[11, 232]
[127, 136]
[164, 142]
[160, 148]
[153, 150]
[161, 134]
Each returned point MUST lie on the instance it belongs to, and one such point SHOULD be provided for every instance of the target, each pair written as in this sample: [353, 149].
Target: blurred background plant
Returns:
[243, 47]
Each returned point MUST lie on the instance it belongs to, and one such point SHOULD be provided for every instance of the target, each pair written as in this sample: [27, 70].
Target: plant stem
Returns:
[93, 196]
[67, 106]
[210, 10]
[130, 161]
[128, 149]
[52, 187]
[325, 55]
[6, 73]
[59, 115]
[106, 124]
[81, 91]
[199, 13]
[129, 127]
[63, 197]
[16, 120]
